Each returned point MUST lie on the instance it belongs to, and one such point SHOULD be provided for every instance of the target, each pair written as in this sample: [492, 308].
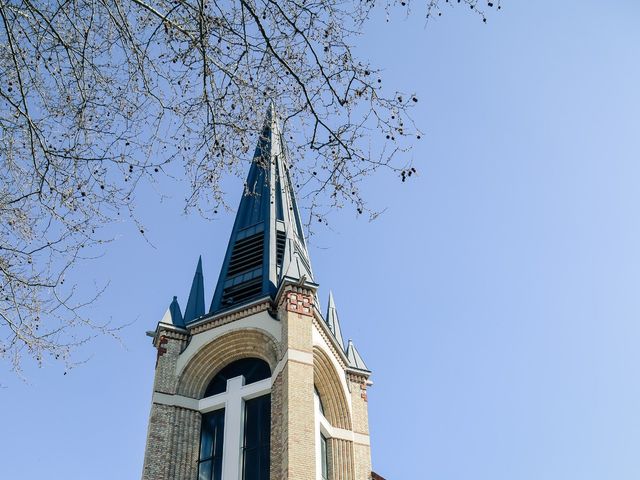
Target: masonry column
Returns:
[173, 433]
[360, 417]
[293, 433]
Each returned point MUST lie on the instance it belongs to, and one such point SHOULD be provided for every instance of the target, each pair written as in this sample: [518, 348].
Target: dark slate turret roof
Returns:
[355, 360]
[173, 315]
[267, 243]
[195, 304]
[333, 321]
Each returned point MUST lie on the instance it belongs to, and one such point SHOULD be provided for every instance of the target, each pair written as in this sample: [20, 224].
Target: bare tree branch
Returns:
[98, 97]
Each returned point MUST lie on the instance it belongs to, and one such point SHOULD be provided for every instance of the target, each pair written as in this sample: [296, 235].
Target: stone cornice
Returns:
[166, 330]
[358, 376]
[328, 337]
[228, 317]
[288, 286]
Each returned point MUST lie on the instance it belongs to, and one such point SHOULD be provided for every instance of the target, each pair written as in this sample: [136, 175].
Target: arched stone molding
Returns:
[341, 462]
[222, 351]
[327, 381]
[202, 338]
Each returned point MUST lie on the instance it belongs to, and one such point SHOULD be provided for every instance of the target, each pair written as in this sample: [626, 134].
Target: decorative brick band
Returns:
[222, 351]
[328, 337]
[299, 303]
[230, 317]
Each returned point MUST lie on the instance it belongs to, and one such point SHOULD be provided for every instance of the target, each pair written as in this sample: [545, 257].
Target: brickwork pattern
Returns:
[222, 351]
[330, 390]
[298, 302]
[360, 416]
[169, 348]
[341, 466]
[298, 424]
[362, 463]
[159, 435]
[296, 327]
[278, 454]
[295, 453]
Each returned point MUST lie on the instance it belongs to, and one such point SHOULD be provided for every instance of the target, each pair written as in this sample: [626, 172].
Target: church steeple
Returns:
[262, 387]
[267, 242]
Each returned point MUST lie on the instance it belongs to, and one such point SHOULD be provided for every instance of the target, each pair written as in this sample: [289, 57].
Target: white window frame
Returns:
[233, 400]
[322, 427]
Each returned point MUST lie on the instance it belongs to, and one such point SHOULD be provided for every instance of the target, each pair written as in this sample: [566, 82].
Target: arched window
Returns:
[237, 411]
[319, 400]
[322, 447]
[252, 369]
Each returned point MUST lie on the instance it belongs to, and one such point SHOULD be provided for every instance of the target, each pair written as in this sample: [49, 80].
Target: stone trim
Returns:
[222, 351]
[224, 318]
[357, 376]
[325, 333]
[327, 381]
[298, 303]
[164, 330]
[281, 295]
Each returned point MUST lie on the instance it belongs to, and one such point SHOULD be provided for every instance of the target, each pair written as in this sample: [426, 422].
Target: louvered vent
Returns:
[247, 254]
[244, 277]
[281, 239]
[241, 292]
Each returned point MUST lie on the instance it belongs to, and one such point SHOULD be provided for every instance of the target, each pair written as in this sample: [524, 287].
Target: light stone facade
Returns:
[288, 333]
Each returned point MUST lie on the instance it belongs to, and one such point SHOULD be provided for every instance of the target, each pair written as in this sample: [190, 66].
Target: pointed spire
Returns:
[173, 315]
[332, 320]
[267, 243]
[355, 360]
[195, 304]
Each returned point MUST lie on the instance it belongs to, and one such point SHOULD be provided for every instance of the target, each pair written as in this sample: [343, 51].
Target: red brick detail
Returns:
[299, 303]
[161, 349]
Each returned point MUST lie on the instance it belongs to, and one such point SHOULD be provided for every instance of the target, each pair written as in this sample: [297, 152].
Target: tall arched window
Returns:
[322, 447]
[236, 423]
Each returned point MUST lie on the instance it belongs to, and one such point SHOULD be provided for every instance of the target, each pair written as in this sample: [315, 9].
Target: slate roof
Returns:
[355, 360]
[332, 320]
[173, 315]
[195, 304]
[267, 242]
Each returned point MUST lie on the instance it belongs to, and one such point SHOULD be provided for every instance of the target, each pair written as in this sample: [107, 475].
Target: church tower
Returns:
[260, 387]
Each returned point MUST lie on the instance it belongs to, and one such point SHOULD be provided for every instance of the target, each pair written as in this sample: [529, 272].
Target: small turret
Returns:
[195, 304]
[173, 315]
[332, 320]
[355, 360]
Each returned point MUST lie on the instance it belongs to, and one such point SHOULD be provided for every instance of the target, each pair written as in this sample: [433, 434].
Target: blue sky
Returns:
[496, 300]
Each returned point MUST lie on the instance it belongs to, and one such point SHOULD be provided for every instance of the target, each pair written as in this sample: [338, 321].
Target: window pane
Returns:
[257, 433]
[251, 464]
[324, 458]
[253, 370]
[206, 442]
[211, 442]
[204, 472]
[319, 401]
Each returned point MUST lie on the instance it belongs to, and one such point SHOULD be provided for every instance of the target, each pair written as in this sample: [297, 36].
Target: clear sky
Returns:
[497, 300]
